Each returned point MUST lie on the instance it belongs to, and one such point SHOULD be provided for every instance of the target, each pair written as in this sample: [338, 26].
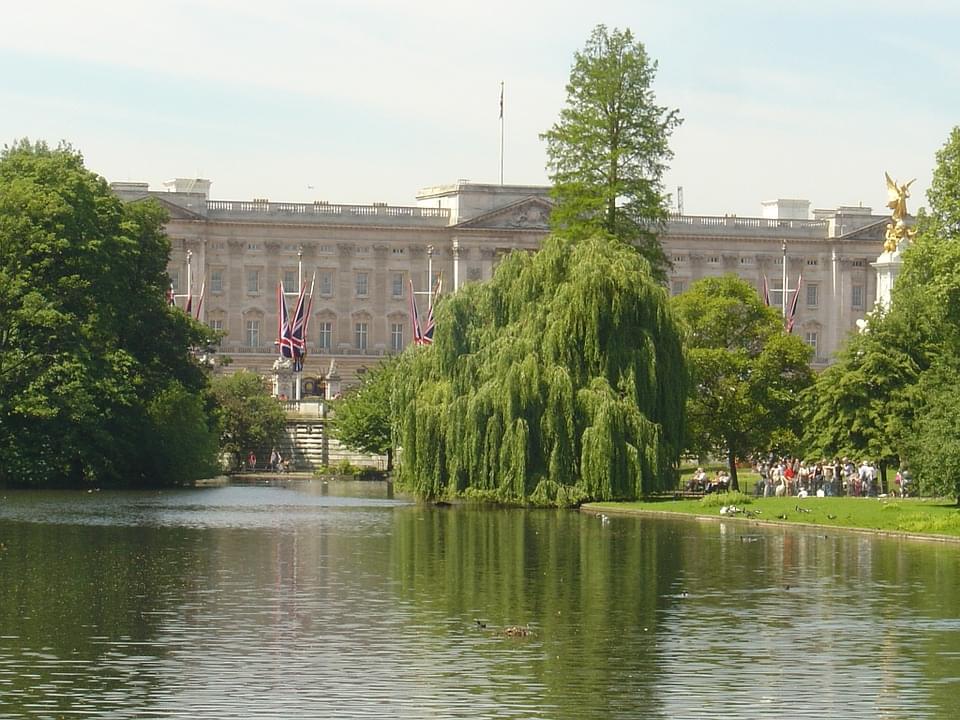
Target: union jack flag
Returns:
[298, 331]
[414, 317]
[284, 338]
[426, 332]
[791, 315]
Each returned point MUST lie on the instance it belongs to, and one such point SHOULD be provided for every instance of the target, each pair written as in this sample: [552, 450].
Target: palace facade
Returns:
[362, 256]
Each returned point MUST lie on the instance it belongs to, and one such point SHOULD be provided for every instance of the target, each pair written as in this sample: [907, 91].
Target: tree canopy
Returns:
[746, 372]
[362, 418]
[608, 152]
[560, 380]
[86, 338]
[249, 417]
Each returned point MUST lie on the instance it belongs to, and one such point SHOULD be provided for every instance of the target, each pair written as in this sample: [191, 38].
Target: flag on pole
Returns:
[171, 298]
[283, 324]
[791, 313]
[501, 101]
[203, 288]
[414, 318]
[426, 332]
[188, 308]
[298, 342]
[766, 292]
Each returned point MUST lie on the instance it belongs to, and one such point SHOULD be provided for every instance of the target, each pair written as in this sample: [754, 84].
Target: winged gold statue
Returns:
[897, 229]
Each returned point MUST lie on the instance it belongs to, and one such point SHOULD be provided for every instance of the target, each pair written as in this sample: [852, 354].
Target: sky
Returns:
[362, 101]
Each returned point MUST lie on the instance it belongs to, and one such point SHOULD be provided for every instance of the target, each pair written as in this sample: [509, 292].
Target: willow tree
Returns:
[560, 380]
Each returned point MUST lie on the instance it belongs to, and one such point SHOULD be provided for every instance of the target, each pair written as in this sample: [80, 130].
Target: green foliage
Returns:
[747, 373]
[362, 419]
[861, 405]
[608, 152]
[86, 338]
[185, 446]
[562, 379]
[249, 417]
[715, 500]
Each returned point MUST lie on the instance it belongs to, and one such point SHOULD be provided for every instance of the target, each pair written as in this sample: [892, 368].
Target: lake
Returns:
[341, 600]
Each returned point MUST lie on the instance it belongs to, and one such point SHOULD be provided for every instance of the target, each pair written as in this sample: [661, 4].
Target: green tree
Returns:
[561, 379]
[362, 417]
[746, 372]
[85, 336]
[861, 406]
[608, 152]
[249, 417]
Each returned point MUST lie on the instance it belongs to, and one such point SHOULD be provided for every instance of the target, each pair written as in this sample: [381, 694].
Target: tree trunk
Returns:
[732, 464]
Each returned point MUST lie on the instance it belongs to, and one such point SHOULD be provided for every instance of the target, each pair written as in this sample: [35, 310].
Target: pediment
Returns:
[176, 212]
[531, 213]
[875, 231]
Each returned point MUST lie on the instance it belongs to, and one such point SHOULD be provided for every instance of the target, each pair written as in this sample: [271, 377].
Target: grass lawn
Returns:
[925, 516]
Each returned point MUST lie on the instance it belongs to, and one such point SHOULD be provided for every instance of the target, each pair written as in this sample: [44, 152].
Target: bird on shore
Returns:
[831, 517]
[802, 510]
[481, 625]
[782, 516]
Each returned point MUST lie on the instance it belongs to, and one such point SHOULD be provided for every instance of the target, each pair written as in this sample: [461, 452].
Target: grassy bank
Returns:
[911, 515]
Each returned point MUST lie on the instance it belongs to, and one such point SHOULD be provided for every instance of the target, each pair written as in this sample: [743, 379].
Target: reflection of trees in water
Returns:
[80, 595]
[591, 592]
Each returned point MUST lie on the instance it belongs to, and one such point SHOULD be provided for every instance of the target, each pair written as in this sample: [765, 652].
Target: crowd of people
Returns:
[796, 477]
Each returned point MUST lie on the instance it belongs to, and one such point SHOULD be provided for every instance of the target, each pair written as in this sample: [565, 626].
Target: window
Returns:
[290, 280]
[360, 336]
[397, 280]
[436, 279]
[746, 261]
[677, 287]
[325, 335]
[812, 262]
[858, 263]
[216, 281]
[253, 281]
[175, 280]
[812, 339]
[678, 258]
[813, 295]
[856, 301]
[714, 259]
[361, 284]
[326, 282]
[396, 337]
[398, 251]
[253, 333]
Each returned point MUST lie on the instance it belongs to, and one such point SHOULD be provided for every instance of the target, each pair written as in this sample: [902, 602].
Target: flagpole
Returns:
[189, 268]
[501, 132]
[783, 295]
[298, 374]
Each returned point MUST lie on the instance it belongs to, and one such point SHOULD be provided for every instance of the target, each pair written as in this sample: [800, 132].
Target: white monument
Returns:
[283, 379]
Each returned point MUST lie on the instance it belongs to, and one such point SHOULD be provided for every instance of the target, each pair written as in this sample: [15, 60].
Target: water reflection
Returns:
[339, 601]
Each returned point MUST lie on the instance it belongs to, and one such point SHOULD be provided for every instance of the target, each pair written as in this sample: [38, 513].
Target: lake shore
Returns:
[910, 518]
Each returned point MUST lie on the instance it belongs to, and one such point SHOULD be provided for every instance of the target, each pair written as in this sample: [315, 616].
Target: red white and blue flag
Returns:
[414, 317]
[766, 292]
[792, 312]
[298, 330]
[284, 339]
[426, 332]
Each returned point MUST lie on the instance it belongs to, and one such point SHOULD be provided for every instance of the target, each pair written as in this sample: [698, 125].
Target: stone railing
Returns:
[328, 212]
[747, 226]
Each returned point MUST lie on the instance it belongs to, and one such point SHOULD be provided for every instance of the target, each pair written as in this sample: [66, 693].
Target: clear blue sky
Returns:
[369, 100]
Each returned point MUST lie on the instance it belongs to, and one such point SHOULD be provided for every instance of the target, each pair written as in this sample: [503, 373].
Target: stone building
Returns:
[362, 256]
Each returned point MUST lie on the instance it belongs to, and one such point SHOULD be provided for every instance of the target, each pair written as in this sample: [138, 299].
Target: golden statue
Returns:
[897, 229]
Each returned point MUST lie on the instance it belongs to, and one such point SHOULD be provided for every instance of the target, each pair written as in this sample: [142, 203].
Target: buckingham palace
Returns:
[360, 258]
